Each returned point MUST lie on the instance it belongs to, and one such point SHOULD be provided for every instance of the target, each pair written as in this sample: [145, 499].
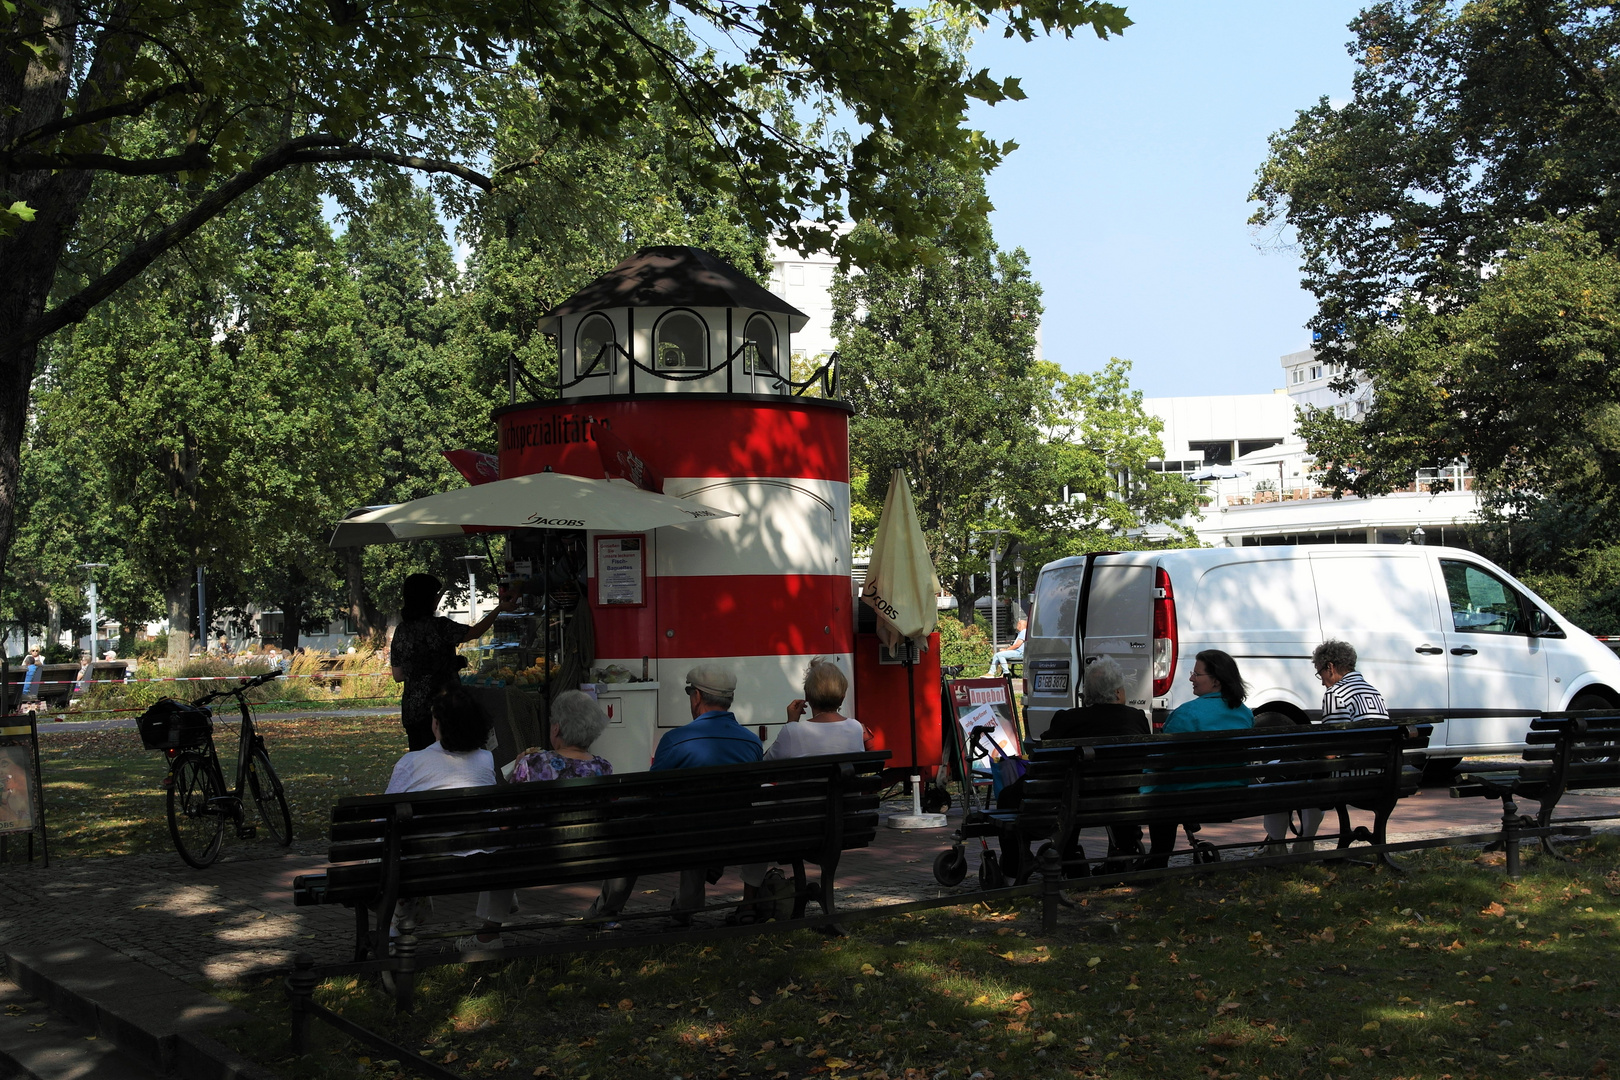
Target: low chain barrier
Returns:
[76, 713]
[210, 678]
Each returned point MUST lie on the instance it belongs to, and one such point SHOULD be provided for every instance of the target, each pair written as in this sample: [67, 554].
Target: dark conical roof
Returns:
[673, 276]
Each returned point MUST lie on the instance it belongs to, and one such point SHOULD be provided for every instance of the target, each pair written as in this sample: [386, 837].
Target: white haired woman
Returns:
[815, 726]
[577, 721]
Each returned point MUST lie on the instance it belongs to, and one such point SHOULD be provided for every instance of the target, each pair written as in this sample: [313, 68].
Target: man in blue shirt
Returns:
[712, 738]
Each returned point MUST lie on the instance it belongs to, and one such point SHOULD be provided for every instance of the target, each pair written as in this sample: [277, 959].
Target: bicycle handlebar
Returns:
[242, 688]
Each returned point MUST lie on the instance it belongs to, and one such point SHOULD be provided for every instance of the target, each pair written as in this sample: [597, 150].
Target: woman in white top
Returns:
[823, 731]
[455, 759]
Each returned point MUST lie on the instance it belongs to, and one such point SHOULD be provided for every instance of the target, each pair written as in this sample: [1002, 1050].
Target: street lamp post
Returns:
[95, 615]
[995, 641]
[472, 586]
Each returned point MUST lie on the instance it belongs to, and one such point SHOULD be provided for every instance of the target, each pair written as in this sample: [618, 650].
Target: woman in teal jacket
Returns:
[1218, 707]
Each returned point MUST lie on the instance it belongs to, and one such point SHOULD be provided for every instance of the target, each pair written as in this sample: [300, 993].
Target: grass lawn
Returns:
[104, 794]
[1450, 971]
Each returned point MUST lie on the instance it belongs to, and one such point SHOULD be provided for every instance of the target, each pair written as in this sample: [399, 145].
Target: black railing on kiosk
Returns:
[603, 366]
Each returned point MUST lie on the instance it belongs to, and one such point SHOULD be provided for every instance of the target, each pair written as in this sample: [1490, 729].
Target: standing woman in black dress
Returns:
[423, 655]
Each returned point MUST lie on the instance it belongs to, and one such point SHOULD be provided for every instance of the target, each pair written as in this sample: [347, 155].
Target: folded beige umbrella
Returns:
[546, 500]
[901, 587]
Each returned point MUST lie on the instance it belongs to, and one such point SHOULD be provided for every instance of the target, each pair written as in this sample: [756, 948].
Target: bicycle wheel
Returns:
[269, 796]
[196, 820]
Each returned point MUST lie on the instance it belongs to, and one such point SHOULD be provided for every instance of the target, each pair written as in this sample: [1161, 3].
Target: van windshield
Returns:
[1057, 600]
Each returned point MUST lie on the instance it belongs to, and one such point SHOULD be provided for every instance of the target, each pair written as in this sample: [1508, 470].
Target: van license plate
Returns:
[1052, 682]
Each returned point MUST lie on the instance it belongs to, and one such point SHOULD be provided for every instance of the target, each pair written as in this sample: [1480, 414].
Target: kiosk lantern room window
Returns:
[681, 343]
[759, 344]
[595, 335]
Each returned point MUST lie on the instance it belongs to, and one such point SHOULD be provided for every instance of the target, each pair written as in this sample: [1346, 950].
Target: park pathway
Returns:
[236, 919]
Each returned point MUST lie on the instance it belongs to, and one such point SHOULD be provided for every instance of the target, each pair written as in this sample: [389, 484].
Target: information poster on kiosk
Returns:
[621, 570]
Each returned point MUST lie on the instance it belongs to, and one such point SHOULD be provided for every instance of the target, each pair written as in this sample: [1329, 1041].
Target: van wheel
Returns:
[1437, 770]
[1272, 718]
[1586, 702]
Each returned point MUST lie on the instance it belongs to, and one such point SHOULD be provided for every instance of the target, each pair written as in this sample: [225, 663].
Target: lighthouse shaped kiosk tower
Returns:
[673, 370]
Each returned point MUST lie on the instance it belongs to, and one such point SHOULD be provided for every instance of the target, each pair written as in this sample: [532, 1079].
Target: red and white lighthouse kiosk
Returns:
[673, 375]
[678, 364]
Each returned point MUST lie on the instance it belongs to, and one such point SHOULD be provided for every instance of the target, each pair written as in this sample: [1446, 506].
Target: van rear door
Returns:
[1119, 623]
[1050, 663]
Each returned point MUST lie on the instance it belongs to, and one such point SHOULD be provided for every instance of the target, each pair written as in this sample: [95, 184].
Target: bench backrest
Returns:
[1583, 747]
[587, 829]
[1221, 775]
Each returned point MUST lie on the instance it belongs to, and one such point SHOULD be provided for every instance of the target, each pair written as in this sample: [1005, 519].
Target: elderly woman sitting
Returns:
[815, 726]
[577, 721]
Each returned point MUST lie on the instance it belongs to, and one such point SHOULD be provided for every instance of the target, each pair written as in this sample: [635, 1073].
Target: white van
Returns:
[1439, 631]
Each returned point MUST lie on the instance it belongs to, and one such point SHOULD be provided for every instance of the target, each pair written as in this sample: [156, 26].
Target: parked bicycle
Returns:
[199, 804]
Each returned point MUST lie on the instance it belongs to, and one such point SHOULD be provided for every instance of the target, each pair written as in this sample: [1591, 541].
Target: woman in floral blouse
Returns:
[576, 722]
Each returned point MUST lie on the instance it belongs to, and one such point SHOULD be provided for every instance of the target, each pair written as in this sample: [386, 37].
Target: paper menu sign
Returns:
[1001, 733]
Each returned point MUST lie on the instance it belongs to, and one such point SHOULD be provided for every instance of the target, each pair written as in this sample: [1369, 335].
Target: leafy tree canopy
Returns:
[1458, 224]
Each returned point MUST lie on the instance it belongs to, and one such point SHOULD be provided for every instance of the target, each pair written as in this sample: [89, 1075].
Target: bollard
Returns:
[300, 995]
[1051, 870]
[404, 950]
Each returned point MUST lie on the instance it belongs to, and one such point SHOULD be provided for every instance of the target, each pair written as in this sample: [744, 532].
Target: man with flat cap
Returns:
[713, 737]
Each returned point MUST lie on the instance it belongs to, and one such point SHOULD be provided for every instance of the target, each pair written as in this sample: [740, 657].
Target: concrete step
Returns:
[37, 1044]
[155, 1021]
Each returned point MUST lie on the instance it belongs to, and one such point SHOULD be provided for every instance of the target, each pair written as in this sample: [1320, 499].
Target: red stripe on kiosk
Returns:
[683, 435]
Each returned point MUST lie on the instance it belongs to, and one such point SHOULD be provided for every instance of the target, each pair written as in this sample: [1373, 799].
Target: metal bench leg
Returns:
[1380, 835]
[801, 886]
[300, 994]
[1051, 871]
[362, 932]
[1510, 834]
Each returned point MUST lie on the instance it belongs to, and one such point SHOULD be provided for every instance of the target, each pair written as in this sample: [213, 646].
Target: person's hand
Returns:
[796, 708]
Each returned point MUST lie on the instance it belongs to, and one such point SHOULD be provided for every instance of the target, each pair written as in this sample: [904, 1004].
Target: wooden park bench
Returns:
[1076, 784]
[1565, 751]
[513, 836]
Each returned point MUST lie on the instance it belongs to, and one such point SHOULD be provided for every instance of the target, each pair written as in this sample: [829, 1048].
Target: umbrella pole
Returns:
[911, 702]
[916, 819]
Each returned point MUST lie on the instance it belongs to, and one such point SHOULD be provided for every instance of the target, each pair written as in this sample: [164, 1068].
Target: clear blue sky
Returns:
[1130, 185]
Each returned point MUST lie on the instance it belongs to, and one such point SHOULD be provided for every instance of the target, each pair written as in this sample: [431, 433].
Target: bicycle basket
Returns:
[170, 724]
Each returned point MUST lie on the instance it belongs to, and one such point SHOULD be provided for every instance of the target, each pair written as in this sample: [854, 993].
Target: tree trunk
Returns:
[177, 600]
[292, 620]
[34, 95]
[53, 623]
[367, 619]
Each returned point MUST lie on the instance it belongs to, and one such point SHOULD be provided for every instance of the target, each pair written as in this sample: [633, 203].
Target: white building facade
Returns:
[1274, 498]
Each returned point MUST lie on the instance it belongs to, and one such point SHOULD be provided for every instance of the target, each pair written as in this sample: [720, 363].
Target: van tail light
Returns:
[1164, 634]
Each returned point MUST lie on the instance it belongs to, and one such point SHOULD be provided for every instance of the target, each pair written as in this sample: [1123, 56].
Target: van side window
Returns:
[1481, 602]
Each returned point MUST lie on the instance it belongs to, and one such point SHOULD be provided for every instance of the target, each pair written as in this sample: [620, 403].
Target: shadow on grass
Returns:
[1448, 970]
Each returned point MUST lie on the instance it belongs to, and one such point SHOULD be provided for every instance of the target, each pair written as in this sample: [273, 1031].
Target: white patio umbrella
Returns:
[1217, 472]
[547, 500]
[902, 588]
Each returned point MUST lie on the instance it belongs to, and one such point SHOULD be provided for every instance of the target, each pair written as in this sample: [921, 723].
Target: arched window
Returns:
[595, 334]
[759, 344]
[682, 343]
